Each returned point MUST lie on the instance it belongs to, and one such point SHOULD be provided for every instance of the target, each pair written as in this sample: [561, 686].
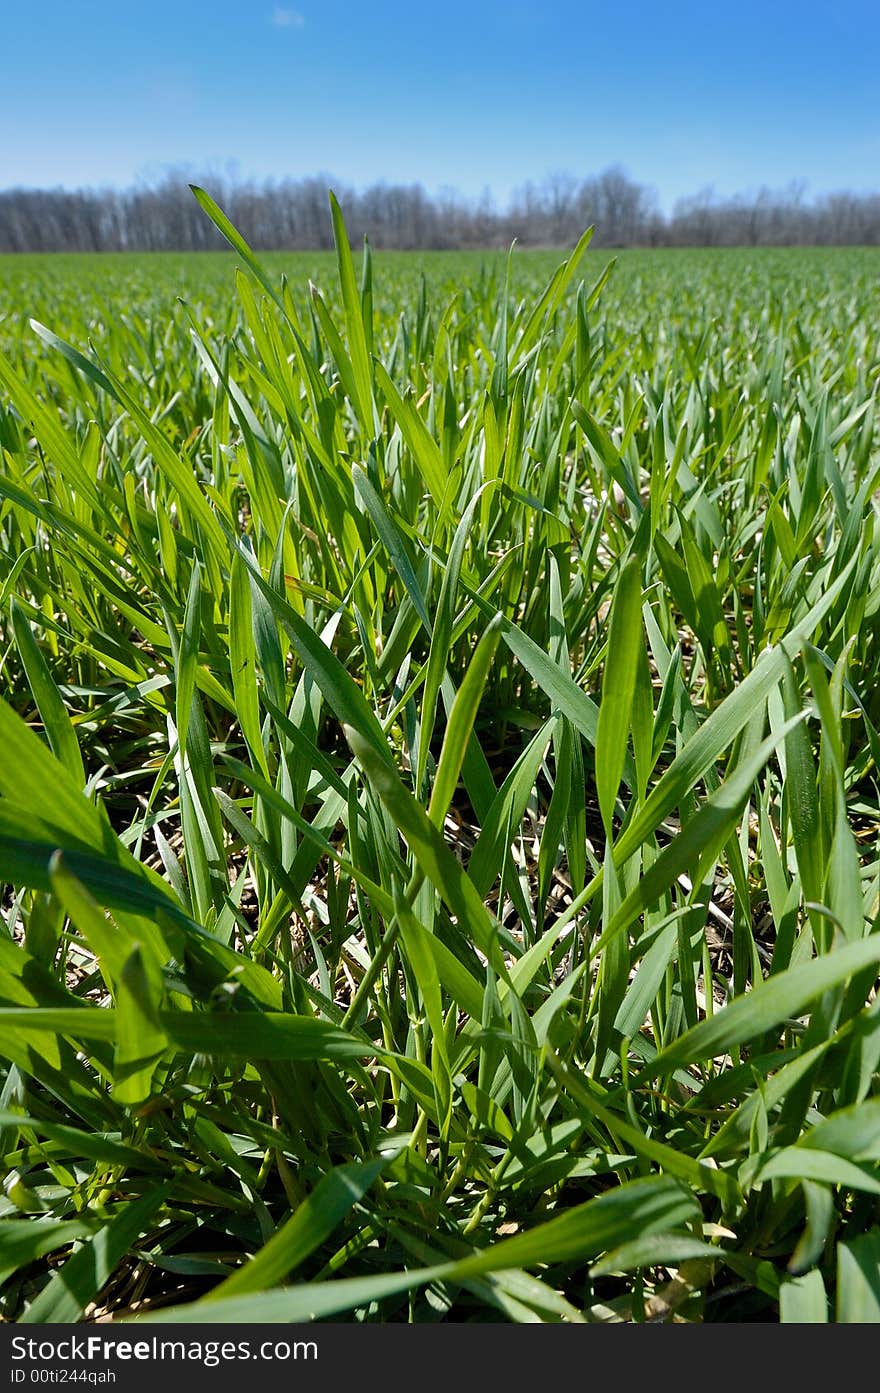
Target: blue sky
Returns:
[463, 94]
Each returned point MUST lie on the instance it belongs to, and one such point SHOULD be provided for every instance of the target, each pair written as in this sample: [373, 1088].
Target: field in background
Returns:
[438, 786]
[148, 283]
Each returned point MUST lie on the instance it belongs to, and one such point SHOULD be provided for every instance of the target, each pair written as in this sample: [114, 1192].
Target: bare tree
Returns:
[293, 214]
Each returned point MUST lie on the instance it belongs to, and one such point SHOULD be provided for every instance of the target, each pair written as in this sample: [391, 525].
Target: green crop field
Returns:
[439, 835]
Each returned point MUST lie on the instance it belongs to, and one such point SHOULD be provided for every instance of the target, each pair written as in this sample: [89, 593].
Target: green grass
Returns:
[438, 793]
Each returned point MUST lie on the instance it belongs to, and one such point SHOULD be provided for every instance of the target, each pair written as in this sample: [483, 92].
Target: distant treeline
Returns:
[293, 215]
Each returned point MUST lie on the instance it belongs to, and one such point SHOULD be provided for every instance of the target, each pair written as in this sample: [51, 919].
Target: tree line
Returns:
[293, 215]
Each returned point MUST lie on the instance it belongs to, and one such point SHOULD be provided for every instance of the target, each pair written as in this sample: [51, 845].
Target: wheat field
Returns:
[439, 754]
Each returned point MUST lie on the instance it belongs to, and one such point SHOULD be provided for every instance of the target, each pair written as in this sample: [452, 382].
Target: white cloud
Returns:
[287, 19]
